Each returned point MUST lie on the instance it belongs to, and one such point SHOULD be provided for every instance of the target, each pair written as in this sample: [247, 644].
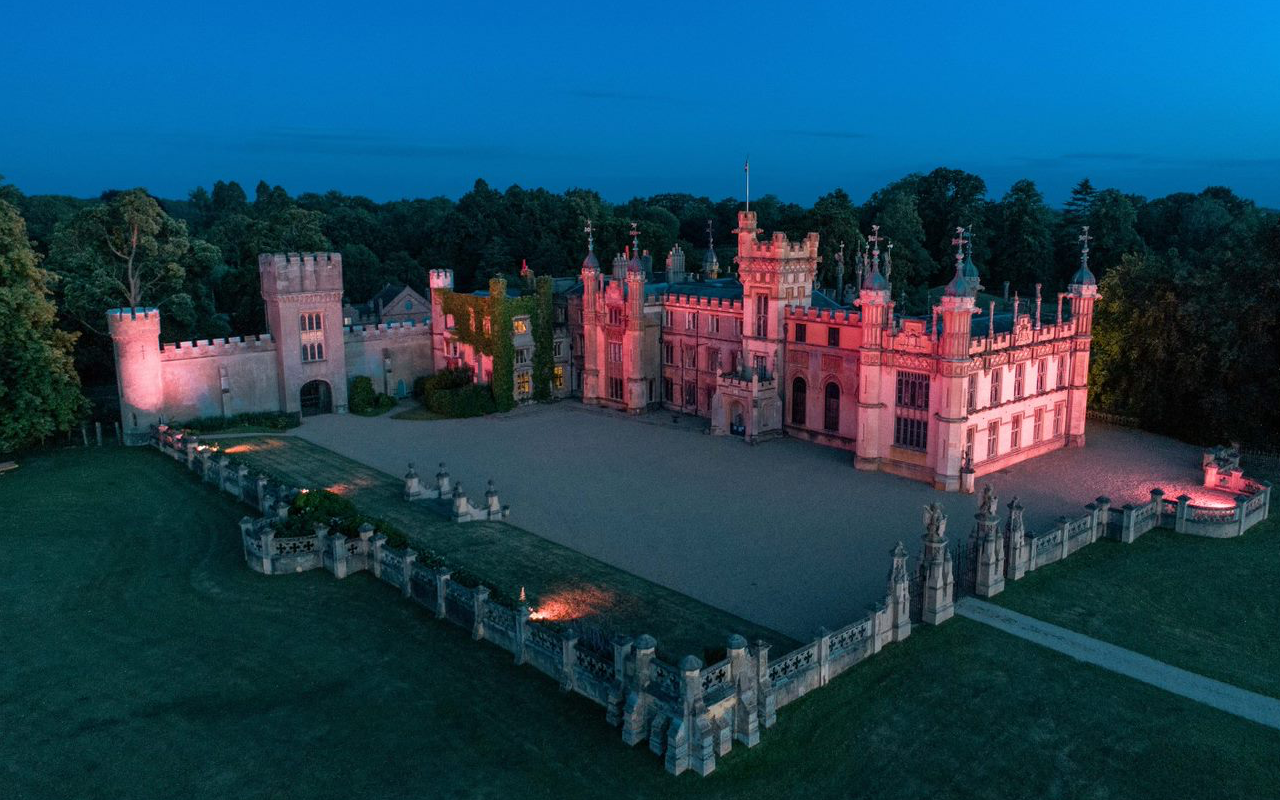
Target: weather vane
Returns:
[589, 231]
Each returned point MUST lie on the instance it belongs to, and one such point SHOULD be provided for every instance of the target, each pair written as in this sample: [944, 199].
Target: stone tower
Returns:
[135, 335]
[774, 274]
[1082, 291]
[874, 393]
[303, 297]
[956, 311]
[440, 281]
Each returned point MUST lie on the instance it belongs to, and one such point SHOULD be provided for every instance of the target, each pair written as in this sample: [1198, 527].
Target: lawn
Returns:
[1210, 606]
[507, 557]
[143, 660]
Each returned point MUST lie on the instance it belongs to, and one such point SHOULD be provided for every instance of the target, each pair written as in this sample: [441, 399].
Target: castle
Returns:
[943, 399]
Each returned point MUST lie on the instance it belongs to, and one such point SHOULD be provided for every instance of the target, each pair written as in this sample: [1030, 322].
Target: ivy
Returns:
[543, 363]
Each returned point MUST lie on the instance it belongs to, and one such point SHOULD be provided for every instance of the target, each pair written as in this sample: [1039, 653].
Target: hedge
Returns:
[271, 420]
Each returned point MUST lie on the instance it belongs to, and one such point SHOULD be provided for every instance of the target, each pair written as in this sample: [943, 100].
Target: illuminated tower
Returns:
[135, 335]
[874, 393]
[303, 297]
[1082, 291]
[956, 311]
[440, 281]
[592, 331]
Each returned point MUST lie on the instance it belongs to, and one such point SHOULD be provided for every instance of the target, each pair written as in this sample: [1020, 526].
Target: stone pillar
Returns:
[242, 482]
[1127, 523]
[989, 580]
[522, 631]
[568, 658]
[1101, 518]
[478, 600]
[338, 547]
[442, 583]
[224, 473]
[192, 453]
[461, 505]
[766, 703]
[1063, 543]
[1157, 499]
[412, 486]
[1180, 517]
[684, 745]
[936, 577]
[206, 459]
[261, 483]
[1241, 503]
[366, 536]
[1015, 543]
[635, 720]
[493, 508]
[374, 551]
[443, 489]
[406, 571]
[97, 432]
[322, 541]
[898, 601]
[746, 722]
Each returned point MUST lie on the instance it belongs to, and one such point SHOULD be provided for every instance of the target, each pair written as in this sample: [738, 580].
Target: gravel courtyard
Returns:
[786, 533]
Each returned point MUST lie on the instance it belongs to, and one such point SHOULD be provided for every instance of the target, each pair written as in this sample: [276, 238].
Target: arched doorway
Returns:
[831, 408]
[316, 398]
[737, 423]
[799, 399]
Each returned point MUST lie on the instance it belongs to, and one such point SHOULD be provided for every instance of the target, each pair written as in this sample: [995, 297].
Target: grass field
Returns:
[505, 556]
[1210, 606]
[142, 659]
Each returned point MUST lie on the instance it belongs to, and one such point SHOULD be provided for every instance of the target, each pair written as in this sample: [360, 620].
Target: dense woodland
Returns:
[1187, 337]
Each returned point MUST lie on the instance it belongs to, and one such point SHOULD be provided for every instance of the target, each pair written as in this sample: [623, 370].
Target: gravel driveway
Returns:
[786, 533]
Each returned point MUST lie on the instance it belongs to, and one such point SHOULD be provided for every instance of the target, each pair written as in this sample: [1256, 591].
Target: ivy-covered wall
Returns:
[469, 312]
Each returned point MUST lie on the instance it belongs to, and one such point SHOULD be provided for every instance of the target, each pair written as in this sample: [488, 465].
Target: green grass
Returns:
[143, 659]
[382, 405]
[504, 556]
[1210, 606]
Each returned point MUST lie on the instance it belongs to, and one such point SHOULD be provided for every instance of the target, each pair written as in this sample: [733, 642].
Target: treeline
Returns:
[1186, 332]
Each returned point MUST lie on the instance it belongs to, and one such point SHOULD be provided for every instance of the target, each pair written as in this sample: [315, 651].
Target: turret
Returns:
[710, 264]
[439, 281]
[873, 389]
[135, 334]
[302, 295]
[1082, 292]
[675, 265]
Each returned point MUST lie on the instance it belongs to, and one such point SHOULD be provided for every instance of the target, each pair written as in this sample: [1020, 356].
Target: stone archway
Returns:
[316, 398]
[737, 420]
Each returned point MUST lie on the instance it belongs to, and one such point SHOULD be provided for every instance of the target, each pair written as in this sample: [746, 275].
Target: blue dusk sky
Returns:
[417, 99]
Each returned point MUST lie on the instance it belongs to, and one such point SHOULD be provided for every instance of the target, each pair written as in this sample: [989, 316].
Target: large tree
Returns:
[1022, 248]
[126, 252]
[39, 388]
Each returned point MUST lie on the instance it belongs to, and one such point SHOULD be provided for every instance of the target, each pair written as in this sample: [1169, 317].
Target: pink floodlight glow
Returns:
[574, 603]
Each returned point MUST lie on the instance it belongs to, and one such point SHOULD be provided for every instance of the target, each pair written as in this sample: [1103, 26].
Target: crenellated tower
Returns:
[135, 335]
[1082, 292]
[440, 282]
[774, 274]
[303, 297]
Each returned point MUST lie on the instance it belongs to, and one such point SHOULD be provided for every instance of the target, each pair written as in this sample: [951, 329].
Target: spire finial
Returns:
[711, 236]
[590, 232]
[959, 240]
[874, 242]
[1084, 246]
[635, 237]
[746, 168]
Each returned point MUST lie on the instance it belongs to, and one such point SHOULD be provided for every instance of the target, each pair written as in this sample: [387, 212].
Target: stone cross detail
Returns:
[590, 232]
[958, 241]
[1084, 245]
[635, 237]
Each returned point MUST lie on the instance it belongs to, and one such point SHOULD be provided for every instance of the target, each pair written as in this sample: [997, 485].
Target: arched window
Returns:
[799, 396]
[831, 408]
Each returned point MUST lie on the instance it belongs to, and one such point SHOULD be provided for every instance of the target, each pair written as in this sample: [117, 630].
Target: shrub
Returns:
[452, 378]
[270, 420]
[472, 400]
[360, 395]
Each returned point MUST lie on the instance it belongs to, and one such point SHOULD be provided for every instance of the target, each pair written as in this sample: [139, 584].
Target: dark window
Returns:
[668, 390]
[799, 398]
[910, 432]
[802, 332]
[762, 315]
[831, 408]
[691, 394]
[913, 390]
[833, 337]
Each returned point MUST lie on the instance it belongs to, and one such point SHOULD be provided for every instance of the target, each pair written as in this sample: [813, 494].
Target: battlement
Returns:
[831, 316]
[1006, 340]
[290, 273]
[700, 302]
[131, 322]
[440, 278]
[235, 345]
[779, 248]
[387, 330]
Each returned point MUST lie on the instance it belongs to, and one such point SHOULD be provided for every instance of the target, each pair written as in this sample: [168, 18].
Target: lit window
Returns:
[524, 384]
[520, 325]
[557, 377]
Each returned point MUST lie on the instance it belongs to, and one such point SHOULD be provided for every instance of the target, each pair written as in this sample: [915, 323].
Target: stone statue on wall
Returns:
[987, 505]
[935, 522]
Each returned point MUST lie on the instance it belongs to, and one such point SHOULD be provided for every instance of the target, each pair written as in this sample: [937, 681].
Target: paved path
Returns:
[1222, 696]
[787, 534]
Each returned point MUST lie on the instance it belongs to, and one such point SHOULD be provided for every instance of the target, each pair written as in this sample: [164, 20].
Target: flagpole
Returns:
[747, 168]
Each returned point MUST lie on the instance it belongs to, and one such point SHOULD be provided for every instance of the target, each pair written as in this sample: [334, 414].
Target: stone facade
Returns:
[307, 347]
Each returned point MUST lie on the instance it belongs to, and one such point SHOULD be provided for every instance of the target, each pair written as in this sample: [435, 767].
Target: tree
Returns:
[947, 198]
[835, 219]
[39, 388]
[1022, 249]
[900, 221]
[1113, 226]
[126, 252]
